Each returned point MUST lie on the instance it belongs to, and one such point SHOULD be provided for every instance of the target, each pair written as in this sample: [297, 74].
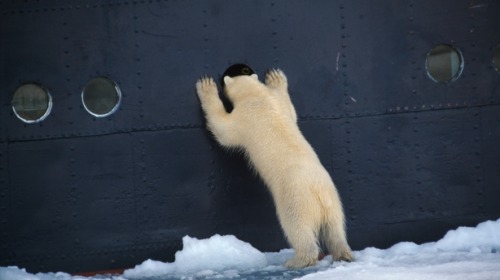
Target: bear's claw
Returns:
[276, 78]
[206, 85]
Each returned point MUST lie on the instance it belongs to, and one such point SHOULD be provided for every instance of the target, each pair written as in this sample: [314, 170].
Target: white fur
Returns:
[264, 124]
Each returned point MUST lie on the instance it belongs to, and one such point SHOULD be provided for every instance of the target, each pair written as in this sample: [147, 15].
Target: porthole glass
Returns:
[444, 64]
[31, 103]
[101, 97]
[496, 58]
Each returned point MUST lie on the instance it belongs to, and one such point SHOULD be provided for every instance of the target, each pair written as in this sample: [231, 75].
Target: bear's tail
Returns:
[334, 237]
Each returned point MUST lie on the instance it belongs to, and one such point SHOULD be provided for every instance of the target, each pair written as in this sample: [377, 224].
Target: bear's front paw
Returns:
[206, 86]
[276, 78]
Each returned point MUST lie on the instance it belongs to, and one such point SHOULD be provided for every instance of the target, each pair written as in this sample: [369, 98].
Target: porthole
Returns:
[101, 97]
[444, 63]
[31, 103]
[496, 58]
[234, 70]
[237, 70]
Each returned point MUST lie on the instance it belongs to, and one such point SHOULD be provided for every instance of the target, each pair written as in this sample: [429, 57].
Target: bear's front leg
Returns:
[208, 95]
[276, 79]
[218, 120]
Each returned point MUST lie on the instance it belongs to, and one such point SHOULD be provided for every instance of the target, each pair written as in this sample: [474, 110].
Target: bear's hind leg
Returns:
[304, 242]
[302, 236]
[333, 236]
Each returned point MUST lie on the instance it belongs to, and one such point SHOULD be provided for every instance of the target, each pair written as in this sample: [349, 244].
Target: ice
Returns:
[464, 253]
[484, 238]
[208, 256]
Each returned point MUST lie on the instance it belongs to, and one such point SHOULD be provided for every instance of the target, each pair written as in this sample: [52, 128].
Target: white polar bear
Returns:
[264, 124]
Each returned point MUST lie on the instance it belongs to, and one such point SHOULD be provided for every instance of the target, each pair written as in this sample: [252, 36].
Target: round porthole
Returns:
[31, 103]
[237, 70]
[444, 63]
[101, 97]
[496, 58]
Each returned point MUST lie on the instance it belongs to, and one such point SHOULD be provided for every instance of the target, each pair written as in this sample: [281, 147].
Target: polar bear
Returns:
[263, 124]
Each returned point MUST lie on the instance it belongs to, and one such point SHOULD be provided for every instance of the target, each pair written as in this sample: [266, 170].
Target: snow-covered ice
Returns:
[225, 255]
[464, 253]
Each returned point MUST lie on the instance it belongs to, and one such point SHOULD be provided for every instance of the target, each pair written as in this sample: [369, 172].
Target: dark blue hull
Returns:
[90, 186]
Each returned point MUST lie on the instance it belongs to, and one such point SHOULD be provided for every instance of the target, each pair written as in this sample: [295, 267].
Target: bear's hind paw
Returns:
[345, 256]
[298, 262]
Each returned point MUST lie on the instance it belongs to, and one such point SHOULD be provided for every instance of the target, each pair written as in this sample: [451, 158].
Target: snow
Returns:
[205, 257]
[465, 253]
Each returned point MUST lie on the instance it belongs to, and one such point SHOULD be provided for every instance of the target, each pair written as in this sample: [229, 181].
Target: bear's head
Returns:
[243, 86]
